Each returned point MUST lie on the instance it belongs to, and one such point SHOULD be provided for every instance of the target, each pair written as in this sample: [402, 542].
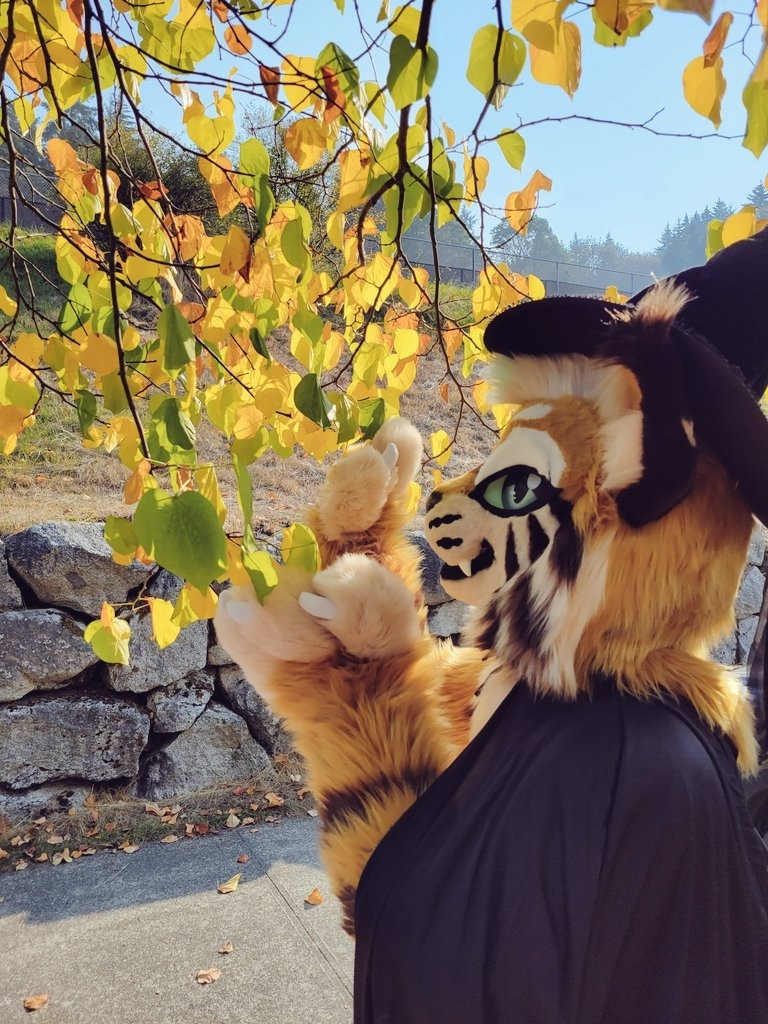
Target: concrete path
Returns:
[118, 938]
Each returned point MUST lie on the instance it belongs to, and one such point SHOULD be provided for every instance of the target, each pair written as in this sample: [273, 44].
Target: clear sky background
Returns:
[606, 178]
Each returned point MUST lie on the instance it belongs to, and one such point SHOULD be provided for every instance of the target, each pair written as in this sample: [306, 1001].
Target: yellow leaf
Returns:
[315, 898]
[561, 65]
[354, 167]
[238, 39]
[99, 353]
[441, 447]
[208, 976]
[306, 140]
[134, 487]
[521, 206]
[164, 628]
[8, 306]
[739, 225]
[35, 1002]
[299, 83]
[231, 885]
[475, 176]
[236, 252]
[701, 7]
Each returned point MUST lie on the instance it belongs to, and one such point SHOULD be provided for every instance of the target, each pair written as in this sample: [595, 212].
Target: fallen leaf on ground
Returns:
[243, 858]
[41, 820]
[55, 840]
[315, 898]
[154, 810]
[230, 885]
[22, 865]
[271, 819]
[42, 858]
[232, 821]
[273, 800]
[169, 839]
[304, 791]
[3, 853]
[248, 821]
[189, 829]
[63, 856]
[226, 948]
[130, 848]
[208, 977]
[202, 829]
[313, 812]
[35, 1002]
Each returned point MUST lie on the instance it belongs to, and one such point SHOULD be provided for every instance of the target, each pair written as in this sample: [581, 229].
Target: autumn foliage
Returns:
[357, 315]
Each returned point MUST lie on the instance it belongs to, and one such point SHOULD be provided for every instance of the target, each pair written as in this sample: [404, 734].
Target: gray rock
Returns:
[448, 619]
[70, 737]
[750, 595]
[70, 565]
[218, 748]
[150, 667]
[725, 652]
[42, 649]
[218, 656]
[48, 800]
[756, 552]
[165, 585]
[10, 596]
[242, 698]
[179, 705]
[431, 565]
[746, 634]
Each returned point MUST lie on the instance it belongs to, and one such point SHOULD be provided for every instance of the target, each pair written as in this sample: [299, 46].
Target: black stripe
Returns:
[489, 628]
[567, 546]
[339, 807]
[538, 541]
[443, 520]
[511, 561]
[528, 628]
[432, 500]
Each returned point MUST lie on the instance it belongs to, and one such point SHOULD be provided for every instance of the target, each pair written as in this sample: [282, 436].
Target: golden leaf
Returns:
[315, 898]
[273, 800]
[35, 1002]
[207, 977]
[231, 885]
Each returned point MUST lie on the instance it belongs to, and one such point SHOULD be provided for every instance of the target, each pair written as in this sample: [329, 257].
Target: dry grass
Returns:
[116, 820]
[51, 476]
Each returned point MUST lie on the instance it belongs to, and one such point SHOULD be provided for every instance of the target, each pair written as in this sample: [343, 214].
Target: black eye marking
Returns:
[442, 521]
[433, 499]
[538, 541]
[515, 491]
[449, 542]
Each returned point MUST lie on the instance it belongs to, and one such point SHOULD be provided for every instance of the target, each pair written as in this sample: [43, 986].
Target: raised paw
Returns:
[360, 485]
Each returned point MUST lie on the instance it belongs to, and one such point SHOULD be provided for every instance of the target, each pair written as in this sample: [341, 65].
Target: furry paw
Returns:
[360, 485]
[366, 607]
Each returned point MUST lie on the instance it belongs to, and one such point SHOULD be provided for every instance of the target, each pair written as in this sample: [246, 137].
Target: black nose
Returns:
[433, 499]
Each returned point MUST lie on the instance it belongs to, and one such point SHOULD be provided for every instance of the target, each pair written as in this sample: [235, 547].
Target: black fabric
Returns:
[555, 326]
[587, 862]
[728, 306]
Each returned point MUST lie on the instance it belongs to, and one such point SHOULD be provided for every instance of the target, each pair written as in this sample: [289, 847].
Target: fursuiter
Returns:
[547, 826]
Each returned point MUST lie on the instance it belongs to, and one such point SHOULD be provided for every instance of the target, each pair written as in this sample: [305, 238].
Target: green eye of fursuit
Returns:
[514, 491]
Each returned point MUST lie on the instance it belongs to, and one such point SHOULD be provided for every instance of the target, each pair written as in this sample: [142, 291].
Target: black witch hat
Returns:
[710, 367]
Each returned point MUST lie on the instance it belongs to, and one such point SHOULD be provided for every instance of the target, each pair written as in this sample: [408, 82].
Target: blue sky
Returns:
[605, 178]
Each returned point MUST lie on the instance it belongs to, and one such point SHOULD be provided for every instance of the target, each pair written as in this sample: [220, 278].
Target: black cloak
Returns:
[581, 862]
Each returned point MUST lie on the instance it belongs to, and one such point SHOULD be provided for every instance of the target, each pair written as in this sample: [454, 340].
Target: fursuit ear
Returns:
[643, 341]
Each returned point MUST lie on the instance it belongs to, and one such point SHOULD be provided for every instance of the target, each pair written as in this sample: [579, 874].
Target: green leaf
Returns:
[299, 548]
[310, 399]
[76, 309]
[171, 435]
[182, 533]
[294, 247]
[178, 340]
[86, 410]
[755, 99]
[261, 569]
[333, 57]
[345, 415]
[605, 36]
[113, 393]
[509, 62]
[411, 72]
[120, 535]
[255, 338]
[111, 647]
[372, 415]
[512, 145]
[254, 158]
[309, 323]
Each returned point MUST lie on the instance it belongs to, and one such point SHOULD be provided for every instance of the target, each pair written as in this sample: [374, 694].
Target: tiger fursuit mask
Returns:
[603, 538]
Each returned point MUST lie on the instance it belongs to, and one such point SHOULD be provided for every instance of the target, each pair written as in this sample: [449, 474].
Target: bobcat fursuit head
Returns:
[598, 539]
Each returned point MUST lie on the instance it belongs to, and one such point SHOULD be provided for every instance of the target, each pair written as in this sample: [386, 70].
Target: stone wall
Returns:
[174, 720]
